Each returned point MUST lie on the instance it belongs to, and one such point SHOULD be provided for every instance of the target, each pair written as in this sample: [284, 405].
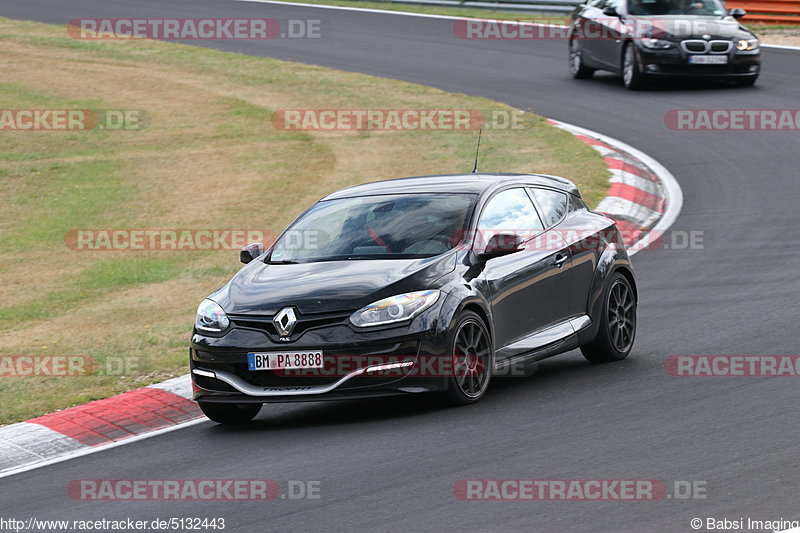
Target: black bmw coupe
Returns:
[647, 39]
[425, 284]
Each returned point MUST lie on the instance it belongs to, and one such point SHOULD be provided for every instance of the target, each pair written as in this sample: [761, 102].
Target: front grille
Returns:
[304, 323]
[696, 46]
[721, 47]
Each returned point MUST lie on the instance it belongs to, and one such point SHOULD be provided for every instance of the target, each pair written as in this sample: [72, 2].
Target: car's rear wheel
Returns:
[471, 349]
[617, 323]
[632, 75]
[230, 413]
[578, 70]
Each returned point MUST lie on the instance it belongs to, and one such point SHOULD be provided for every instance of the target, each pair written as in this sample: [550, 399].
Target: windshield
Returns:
[676, 7]
[376, 227]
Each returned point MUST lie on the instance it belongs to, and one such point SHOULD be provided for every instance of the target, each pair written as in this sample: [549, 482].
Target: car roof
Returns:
[452, 183]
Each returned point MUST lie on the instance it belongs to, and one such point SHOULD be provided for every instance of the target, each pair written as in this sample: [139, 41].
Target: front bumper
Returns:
[675, 63]
[354, 363]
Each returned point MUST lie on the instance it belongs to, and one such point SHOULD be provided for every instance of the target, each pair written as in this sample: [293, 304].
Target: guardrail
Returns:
[768, 11]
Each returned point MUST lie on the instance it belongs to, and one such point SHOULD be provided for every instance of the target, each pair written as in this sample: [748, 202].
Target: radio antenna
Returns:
[477, 151]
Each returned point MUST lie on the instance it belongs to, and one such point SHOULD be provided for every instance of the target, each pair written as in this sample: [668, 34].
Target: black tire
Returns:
[632, 75]
[617, 331]
[473, 360]
[577, 69]
[230, 413]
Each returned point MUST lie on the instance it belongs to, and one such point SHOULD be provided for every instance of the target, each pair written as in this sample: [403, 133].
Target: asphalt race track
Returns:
[391, 464]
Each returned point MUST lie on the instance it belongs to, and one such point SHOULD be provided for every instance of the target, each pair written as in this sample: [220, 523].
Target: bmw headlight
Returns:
[394, 309]
[656, 44]
[747, 44]
[211, 317]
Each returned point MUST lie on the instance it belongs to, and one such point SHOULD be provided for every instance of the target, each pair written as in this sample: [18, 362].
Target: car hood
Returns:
[328, 286]
[679, 28]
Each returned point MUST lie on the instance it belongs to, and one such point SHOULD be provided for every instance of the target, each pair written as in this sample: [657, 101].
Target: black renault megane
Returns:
[647, 39]
[413, 285]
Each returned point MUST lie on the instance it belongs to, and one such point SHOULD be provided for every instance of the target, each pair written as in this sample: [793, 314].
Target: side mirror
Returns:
[251, 251]
[501, 244]
[737, 12]
[610, 11]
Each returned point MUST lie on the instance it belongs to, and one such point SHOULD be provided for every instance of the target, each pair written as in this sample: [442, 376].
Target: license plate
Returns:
[708, 60]
[284, 360]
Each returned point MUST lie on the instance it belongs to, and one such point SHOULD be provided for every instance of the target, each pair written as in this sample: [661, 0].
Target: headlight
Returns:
[656, 44]
[211, 317]
[747, 44]
[394, 309]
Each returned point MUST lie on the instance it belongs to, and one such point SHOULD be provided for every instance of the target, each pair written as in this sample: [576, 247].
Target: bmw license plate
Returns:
[708, 60]
[284, 360]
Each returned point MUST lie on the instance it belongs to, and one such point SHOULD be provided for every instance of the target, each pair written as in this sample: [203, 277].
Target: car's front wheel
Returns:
[230, 413]
[632, 75]
[471, 349]
[617, 323]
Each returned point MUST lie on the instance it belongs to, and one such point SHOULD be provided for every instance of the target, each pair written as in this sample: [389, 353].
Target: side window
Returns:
[576, 204]
[552, 203]
[510, 210]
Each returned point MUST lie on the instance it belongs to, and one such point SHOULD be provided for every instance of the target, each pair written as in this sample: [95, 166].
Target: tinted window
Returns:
[511, 211]
[377, 227]
[552, 203]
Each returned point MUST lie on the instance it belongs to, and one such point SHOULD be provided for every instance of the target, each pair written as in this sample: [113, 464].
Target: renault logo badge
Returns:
[284, 321]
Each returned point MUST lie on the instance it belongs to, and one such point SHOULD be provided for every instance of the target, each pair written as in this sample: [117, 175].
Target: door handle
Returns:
[560, 260]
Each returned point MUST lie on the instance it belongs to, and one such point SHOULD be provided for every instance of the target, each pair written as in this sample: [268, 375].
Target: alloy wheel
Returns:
[621, 316]
[471, 358]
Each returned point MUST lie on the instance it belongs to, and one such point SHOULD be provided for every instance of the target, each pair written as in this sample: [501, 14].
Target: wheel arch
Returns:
[462, 300]
[614, 259]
